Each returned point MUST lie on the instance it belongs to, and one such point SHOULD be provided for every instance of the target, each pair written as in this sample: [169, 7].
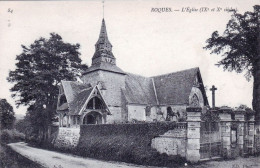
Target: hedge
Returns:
[126, 142]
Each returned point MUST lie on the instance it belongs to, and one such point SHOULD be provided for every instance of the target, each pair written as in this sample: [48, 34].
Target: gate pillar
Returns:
[193, 134]
[225, 122]
[251, 133]
[240, 119]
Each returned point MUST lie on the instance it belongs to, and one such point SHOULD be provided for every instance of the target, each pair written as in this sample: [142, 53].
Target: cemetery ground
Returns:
[53, 159]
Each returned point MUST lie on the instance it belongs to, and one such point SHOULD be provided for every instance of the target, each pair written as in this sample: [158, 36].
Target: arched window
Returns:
[194, 101]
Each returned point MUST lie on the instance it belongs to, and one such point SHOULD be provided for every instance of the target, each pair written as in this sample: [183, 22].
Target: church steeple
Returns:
[103, 52]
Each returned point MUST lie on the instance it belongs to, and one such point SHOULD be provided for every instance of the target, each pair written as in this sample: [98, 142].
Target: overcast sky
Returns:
[144, 42]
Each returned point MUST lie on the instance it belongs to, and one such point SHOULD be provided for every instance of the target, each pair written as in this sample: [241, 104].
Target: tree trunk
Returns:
[256, 93]
[256, 75]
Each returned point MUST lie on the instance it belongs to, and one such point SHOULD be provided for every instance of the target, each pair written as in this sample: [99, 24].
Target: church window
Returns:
[194, 101]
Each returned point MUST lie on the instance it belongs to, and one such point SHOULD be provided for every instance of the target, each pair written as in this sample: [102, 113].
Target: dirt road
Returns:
[53, 159]
[250, 162]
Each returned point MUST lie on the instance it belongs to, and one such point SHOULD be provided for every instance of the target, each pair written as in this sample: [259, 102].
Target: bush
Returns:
[9, 136]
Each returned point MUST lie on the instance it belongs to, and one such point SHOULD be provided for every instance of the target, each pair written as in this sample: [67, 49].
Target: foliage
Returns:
[239, 46]
[247, 109]
[126, 143]
[40, 68]
[6, 115]
[8, 136]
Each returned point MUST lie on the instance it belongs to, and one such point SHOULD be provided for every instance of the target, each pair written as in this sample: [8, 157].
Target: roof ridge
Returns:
[175, 72]
[75, 82]
[128, 73]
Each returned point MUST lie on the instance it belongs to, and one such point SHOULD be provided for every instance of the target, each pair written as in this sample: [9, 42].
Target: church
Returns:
[107, 94]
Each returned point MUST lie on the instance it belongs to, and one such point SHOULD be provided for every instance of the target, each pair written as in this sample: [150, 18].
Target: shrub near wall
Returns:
[126, 142]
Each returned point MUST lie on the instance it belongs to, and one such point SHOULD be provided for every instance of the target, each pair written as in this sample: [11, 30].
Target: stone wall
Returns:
[173, 142]
[67, 138]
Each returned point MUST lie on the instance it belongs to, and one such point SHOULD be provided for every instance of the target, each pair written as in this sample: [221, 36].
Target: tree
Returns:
[240, 47]
[40, 68]
[7, 118]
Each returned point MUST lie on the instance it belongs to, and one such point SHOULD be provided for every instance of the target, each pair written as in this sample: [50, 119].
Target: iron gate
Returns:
[210, 137]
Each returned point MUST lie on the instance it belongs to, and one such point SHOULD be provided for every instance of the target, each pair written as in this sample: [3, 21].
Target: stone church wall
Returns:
[153, 115]
[91, 78]
[116, 116]
[136, 112]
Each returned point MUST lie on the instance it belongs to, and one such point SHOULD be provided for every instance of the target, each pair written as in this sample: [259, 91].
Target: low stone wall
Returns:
[67, 138]
[173, 142]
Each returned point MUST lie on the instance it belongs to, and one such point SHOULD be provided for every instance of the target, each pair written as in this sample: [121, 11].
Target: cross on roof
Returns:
[213, 88]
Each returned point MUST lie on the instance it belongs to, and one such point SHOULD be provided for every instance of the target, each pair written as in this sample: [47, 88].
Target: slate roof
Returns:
[76, 94]
[77, 104]
[172, 88]
[104, 66]
[175, 88]
[139, 90]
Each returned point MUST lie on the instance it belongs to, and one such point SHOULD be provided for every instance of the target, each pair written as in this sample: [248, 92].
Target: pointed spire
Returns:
[103, 45]
[103, 38]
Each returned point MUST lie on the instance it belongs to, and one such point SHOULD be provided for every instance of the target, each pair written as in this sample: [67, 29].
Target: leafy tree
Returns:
[7, 118]
[239, 45]
[247, 109]
[40, 68]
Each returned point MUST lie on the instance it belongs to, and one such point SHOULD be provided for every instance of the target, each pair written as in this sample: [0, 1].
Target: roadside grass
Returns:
[12, 159]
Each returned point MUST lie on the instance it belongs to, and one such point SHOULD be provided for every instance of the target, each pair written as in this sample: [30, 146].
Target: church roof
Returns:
[175, 88]
[139, 90]
[168, 89]
[76, 94]
[77, 104]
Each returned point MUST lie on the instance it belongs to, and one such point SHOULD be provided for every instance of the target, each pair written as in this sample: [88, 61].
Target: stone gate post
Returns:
[225, 122]
[240, 119]
[193, 134]
[251, 133]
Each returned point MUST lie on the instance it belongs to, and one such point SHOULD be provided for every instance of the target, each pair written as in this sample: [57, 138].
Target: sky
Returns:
[144, 42]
